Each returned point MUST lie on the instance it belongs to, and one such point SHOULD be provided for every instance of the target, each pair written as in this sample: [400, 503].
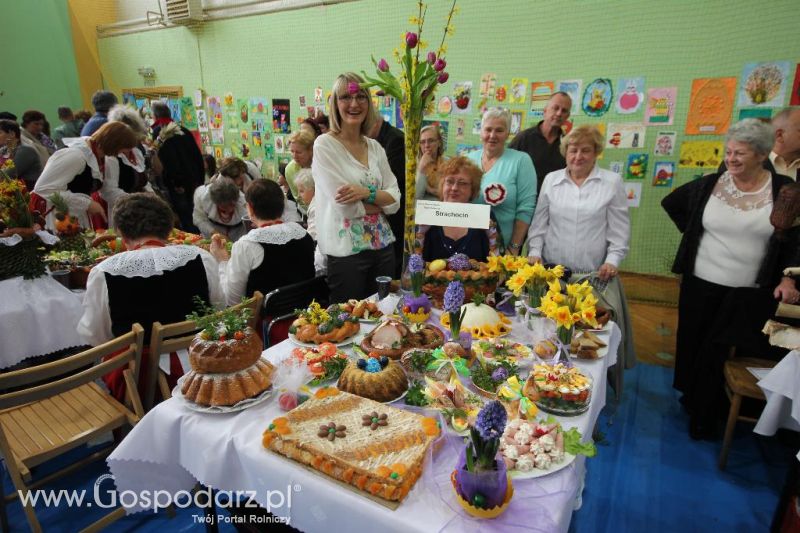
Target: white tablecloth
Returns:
[37, 317]
[782, 389]
[172, 447]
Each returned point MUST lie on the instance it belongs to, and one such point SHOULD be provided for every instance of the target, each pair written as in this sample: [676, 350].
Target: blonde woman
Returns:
[301, 146]
[431, 157]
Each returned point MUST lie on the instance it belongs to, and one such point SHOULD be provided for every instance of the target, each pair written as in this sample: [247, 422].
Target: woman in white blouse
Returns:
[581, 222]
[731, 260]
[355, 191]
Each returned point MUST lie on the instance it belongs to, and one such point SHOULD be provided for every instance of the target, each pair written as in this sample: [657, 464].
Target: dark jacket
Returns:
[685, 206]
[182, 161]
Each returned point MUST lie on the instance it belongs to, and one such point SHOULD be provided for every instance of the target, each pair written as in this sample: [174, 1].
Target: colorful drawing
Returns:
[597, 97]
[445, 106]
[488, 82]
[243, 110]
[460, 129]
[256, 139]
[466, 149]
[280, 145]
[217, 136]
[660, 108]
[444, 128]
[476, 126]
[501, 93]
[516, 122]
[573, 89]
[541, 91]
[616, 167]
[175, 109]
[633, 191]
[301, 100]
[662, 174]
[710, 106]
[794, 99]
[281, 119]
[218, 152]
[258, 124]
[665, 143]
[755, 112]
[701, 154]
[258, 105]
[519, 91]
[764, 84]
[628, 135]
[462, 96]
[198, 98]
[637, 166]
[202, 120]
[318, 94]
[630, 95]
[228, 99]
[215, 111]
[188, 114]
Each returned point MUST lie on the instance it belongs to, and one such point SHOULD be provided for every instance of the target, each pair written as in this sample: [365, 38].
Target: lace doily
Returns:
[727, 192]
[45, 237]
[278, 234]
[149, 261]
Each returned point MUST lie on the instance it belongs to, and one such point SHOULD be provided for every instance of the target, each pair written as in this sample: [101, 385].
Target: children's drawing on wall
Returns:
[541, 91]
[466, 149]
[217, 137]
[280, 147]
[301, 100]
[488, 82]
[202, 120]
[460, 129]
[660, 108]
[228, 100]
[258, 105]
[215, 112]
[662, 174]
[665, 143]
[628, 135]
[710, 106]
[616, 167]
[755, 112]
[243, 110]
[519, 91]
[597, 97]
[318, 95]
[501, 93]
[700, 154]
[462, 96]
[764, 84]
[630, 95]
[445, 106]
[516, 122]
[573, 89]
[198, 98]
[633, 192]
[256, 136]
[281, 119]
[637, 167]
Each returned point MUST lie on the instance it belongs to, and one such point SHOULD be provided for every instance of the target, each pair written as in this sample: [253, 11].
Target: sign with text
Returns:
[457, 215]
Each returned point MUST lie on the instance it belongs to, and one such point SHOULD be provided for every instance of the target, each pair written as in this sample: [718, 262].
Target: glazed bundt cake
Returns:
[382, 380]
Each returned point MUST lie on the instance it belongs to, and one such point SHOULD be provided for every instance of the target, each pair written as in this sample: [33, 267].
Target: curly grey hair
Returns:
[497, 112]
[754, 132]
[223, 191]
[304, 178]
[130, 117]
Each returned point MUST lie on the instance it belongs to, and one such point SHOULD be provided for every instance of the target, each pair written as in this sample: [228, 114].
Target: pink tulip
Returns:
[411, 39]
[439, 65]
[443, 77]
[383, 66]
[431, 57]
[353, 87]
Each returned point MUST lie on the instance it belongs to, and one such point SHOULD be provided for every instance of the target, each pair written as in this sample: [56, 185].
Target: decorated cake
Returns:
[374, 447]
[324, 361]
[377, 378]
[474, 275]
[559, 389]
[481, 321]
[391, 338]
[495, 348]
[316, 325]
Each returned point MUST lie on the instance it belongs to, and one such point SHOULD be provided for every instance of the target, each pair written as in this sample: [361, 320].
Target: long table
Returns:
[172, 448]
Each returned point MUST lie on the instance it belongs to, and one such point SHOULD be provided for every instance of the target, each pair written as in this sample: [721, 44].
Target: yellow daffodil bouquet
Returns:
[414, 88]
[534, 280]
[567, 309]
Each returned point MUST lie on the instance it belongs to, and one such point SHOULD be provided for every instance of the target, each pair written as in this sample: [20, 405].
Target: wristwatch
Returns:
[515, 246]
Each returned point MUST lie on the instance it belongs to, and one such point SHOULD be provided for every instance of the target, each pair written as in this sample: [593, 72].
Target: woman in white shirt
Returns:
[581, 222]
[731, 260]
[355, 191]
[219, 208]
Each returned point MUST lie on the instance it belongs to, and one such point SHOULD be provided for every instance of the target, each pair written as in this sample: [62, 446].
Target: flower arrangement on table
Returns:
[473, 275]
[416, 306]
[533, 280]
[415, 90]
[480, 479]
[453, 300]
[567, 309]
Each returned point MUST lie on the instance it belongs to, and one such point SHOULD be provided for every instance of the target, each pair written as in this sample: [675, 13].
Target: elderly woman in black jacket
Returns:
[731, 259]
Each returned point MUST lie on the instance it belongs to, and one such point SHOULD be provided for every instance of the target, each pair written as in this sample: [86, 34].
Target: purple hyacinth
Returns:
[453, 297]
[459, 262]
[500, 374]
[491, 421]
[344, 316]
[415, 264]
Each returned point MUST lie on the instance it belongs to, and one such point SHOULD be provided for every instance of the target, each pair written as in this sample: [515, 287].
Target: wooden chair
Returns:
[168, 338]
[58, 406]
[281, 303]
[740, 383]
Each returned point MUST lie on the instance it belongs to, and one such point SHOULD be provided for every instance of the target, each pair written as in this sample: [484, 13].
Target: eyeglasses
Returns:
[359, 98]
[428, 141]
[461, 184]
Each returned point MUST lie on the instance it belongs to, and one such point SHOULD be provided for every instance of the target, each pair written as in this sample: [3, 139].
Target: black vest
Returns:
[84, 182]
[166, 298]
[283, 264]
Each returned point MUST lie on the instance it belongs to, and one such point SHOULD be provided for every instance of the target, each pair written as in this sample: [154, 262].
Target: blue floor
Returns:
[648, 476]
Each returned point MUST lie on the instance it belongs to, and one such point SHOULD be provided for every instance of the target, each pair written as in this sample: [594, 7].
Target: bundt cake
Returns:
[211, 356]
[391, 338]
[380, 379]
[317, 325]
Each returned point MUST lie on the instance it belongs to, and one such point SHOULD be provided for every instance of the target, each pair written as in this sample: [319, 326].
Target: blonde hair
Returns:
[432, 127]
[584, 134]
[341, 85]
[303, 138]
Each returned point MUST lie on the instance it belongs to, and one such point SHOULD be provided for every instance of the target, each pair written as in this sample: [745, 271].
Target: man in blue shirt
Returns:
[102, 101]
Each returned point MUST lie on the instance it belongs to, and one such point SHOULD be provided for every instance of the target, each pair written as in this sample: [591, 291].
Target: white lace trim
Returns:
[278, 234]
[149, 261]
[45, 237]
[728, 193]
[138, 164]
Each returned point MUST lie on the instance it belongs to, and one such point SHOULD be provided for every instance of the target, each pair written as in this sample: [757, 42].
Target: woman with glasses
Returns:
[460, 183]
[219, 208]
[509, 180]
[356, 189]
[431, 157]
